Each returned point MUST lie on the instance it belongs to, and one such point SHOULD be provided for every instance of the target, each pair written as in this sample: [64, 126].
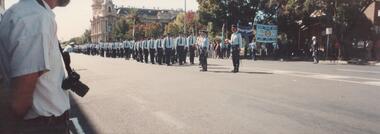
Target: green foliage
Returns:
[85, 38]
[176, 27]
[120, 29]
[153, 30]
[227, 12]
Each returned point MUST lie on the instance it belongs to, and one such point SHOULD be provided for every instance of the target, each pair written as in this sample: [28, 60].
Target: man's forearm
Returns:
[21, 98]
[22, 94]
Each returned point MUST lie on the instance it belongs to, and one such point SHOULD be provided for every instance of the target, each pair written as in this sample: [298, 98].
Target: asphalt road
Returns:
[266, 97]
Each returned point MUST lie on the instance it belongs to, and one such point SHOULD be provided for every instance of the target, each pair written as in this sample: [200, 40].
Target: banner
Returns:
[266, 33]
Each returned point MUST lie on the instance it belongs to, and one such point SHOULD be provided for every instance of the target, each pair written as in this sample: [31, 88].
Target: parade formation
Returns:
[164, 50]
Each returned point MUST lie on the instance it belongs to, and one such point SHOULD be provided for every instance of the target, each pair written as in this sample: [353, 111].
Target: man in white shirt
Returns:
[31, 62]
[180, 49]
[168, 44]
[160, 52]
[204, 46]
[191, 46]
[314, 49]
[152, 50]
[236, 45]
[252, 48]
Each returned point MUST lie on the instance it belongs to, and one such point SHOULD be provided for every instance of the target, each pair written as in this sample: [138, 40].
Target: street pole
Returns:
[133, 31]
[184, 21]
[327, 47]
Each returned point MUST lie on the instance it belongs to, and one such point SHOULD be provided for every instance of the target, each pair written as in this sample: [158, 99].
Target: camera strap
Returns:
[65, 56]
[41, 3]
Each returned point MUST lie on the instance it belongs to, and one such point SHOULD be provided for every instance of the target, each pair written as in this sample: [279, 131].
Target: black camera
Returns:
[73, 83]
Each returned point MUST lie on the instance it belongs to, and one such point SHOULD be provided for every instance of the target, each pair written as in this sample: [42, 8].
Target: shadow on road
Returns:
[239, 72]
[79, 121]
[217, 67]
[184, 65]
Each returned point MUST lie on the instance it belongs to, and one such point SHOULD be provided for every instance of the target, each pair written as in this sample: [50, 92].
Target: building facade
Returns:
[104, 17]
[106, 13]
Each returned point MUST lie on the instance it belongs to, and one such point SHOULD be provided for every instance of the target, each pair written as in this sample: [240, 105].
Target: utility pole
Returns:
[184, 21]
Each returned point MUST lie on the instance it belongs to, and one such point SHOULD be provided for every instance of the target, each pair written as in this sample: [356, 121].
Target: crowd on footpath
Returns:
[167, 50]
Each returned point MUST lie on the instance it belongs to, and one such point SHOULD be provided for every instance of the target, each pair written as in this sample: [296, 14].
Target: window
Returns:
[378, 13]
[109, 9]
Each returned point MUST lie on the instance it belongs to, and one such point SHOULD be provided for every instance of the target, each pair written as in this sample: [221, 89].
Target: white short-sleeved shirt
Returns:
[236, 39]
[29, 44]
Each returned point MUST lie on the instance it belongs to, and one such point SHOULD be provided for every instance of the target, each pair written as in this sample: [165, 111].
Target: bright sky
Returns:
[74, 19]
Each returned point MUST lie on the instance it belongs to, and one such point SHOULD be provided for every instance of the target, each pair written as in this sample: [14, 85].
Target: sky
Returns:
[74, 19]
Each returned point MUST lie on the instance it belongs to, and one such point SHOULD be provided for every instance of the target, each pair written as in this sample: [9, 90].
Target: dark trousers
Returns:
[134, 54]
[235, 57]
[185, 54]
[46, 125]
[203, 59]
[127, 53]
[173, 56]
[102, 52]
[229, 51]
[168, 52]
[180, 54]
[152, 53]
[146, 54]
[114, 53]
[253, 54]
[192, 54]
[159, 55]
[141, 57]
[315, 56]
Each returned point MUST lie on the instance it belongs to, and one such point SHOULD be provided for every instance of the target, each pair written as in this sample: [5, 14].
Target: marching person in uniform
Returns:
[252, 48]
[32, 69]
[107, 49]
[199, 42]
[168, 44]
[160, 51]
[163, 49]
[146, 49]
[114, 48]
[140, 46]
[186, 49]
[121, 50]
[204, 46]
[126, 50]
[236, 45]
[314, 49]
[152, 50]
[173, 54]
[101, 49]
[180, 49]
[191, 48]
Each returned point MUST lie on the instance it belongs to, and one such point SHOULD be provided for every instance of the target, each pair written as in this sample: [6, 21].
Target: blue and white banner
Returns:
[266, 33]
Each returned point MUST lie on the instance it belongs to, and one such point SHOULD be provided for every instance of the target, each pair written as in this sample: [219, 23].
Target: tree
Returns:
[228, 12]
[120, 29]
[77, 40]
[172, 29]
[86, 37]
[153, 30]
[177, 26]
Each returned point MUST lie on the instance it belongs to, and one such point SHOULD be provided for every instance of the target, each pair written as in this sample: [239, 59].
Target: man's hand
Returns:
[22, 89]
[19, 102]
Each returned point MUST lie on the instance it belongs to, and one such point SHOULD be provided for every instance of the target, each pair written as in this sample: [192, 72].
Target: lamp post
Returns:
[184, 21]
